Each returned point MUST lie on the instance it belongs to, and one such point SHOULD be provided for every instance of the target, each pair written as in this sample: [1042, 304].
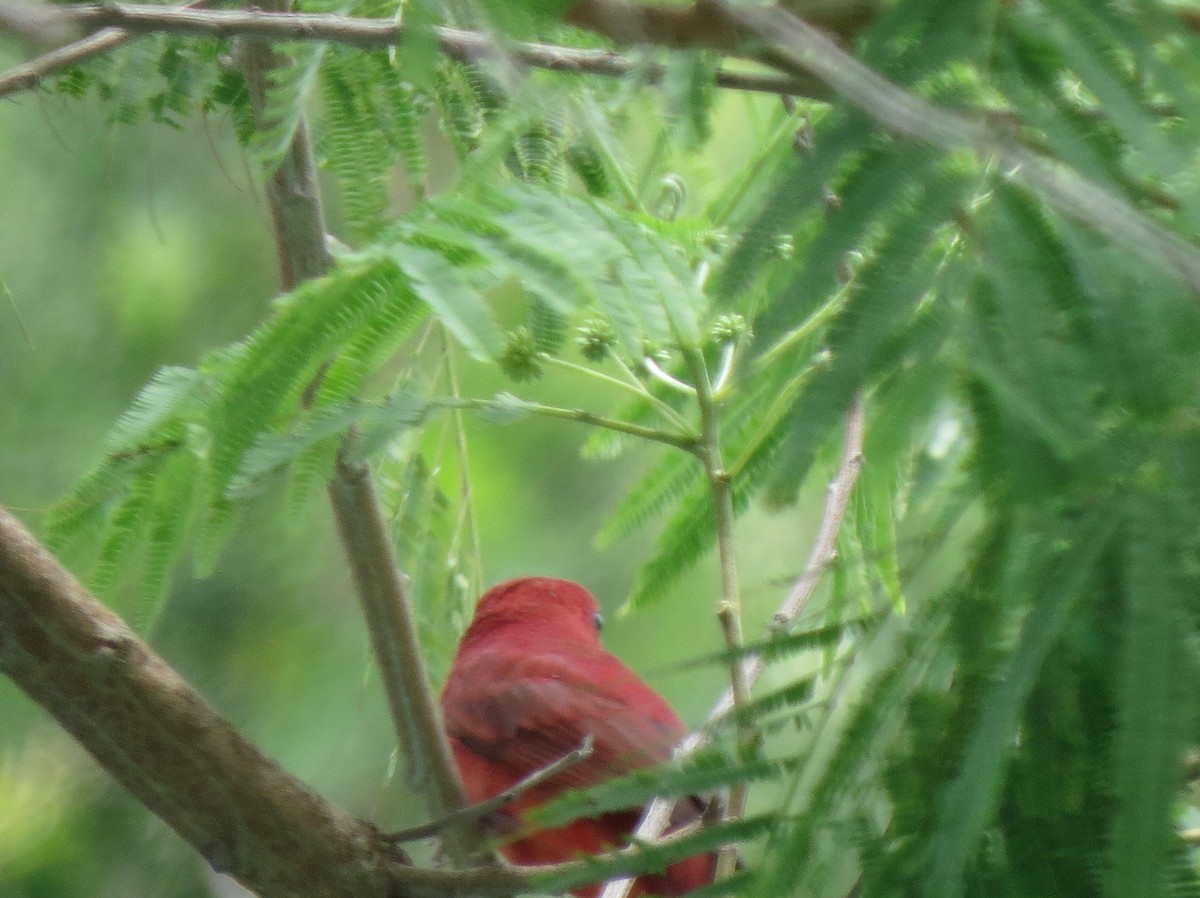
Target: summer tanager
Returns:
[529, 682]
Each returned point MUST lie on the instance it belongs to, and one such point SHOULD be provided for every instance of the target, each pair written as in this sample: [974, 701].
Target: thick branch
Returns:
[159, 738]
[293, 192]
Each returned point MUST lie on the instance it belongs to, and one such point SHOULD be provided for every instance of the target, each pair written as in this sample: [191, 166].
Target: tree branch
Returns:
[790, 45]
[122, 22]
[837, 500]
[298, 219]
[31, 74]
[772, 36]
[159, 739]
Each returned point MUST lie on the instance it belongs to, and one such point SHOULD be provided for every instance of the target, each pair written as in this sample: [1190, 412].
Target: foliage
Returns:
[1013, 713]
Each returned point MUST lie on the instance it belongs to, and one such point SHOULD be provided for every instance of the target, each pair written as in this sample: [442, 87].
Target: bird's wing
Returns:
[527, 710]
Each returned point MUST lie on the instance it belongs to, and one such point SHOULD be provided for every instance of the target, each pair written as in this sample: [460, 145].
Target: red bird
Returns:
[529, 682]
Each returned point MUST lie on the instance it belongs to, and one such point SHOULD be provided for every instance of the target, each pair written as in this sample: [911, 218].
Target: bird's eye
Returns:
[598, 620]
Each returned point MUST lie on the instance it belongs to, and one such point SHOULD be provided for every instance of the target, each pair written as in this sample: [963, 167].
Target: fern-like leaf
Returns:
[970, 800]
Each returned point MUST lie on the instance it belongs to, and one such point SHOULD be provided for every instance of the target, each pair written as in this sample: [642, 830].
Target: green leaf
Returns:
[658, 857]
[288, 97]
[505, 408]
[887, 321]
[1155, 695]
[966, 808]
[267, 374]
[171, 512]
[125, 535]
[795, 198]
[455, 303]
[418, 54]
[701, 774]
[170, 394]
[272, 452]
[689, 93]
[355, 139]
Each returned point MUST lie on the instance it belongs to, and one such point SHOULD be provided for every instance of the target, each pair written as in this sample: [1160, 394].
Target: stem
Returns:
[658, 814]
[466, 494]
[804, 330]
[635, 387]
[752, 173]
[627, 188]
[728, 351]
[730, 611]
[653, 160]
[837, 500]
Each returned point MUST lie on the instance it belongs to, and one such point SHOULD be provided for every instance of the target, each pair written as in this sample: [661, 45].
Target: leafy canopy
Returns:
[1024, 537]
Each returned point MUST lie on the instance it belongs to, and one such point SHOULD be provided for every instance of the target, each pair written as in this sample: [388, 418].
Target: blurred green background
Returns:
[125, 248]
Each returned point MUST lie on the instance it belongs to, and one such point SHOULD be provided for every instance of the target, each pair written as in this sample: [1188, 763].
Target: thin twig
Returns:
[630, 384]
[465, 519]
[728, 352]
[498, 802]
[686, 442]
[837, 499]
[386, 606]
[31, 74]
[121, 21]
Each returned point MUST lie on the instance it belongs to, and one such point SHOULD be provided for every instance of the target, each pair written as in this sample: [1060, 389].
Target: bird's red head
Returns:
[537, 604]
